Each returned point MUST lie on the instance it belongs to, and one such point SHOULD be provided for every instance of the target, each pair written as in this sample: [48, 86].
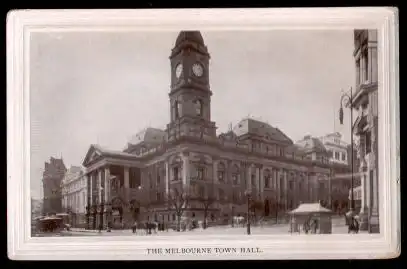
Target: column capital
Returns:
[258, 165]
[246, 164]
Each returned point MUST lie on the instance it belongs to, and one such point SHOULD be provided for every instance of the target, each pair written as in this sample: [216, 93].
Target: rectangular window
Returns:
[150, 179]
[158, 196]
[221, 175]
[358, 72]
[221, 195]
[368, 142]
[331, 154]
[175, 174]
[343, 156]
[337, 155]
[200, 173]
[134, 180]
[235, 179]
[366, 67]
[201, 191]
[253, 179]
[267, 182]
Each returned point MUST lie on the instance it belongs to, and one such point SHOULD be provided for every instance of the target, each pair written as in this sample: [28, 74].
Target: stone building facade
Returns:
[54, 172]
[74, 195]
[188, 170]
[365, 102]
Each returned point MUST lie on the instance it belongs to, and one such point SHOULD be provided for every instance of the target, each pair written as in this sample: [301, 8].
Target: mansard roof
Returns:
[263, 129]
[311, 144]
[72, 173]
[148, 136]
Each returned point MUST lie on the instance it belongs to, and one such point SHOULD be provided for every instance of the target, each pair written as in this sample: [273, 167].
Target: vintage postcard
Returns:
[203, 134]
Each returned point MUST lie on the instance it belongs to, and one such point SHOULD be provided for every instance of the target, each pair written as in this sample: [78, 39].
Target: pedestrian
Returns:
[134, 227]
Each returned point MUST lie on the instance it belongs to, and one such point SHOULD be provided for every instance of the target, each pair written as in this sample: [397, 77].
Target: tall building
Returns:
[337, 148]
[74, 195]
[340, 157]
[189, 170]
[365, 102]
[51, 181]
[36, 208]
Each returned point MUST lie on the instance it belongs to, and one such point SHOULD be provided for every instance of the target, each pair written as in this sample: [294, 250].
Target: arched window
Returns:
[177, 109]
[235, 175]
[198, 107]
[267, 178]
[221, 172]
[200, 172]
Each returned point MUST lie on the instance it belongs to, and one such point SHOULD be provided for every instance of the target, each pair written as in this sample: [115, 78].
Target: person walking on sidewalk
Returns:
[134, 227]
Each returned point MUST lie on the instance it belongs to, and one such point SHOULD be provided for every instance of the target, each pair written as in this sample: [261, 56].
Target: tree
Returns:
[178, 201]
[255, 206]
[206, 201]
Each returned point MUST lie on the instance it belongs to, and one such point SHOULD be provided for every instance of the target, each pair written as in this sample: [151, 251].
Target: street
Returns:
[338, 227]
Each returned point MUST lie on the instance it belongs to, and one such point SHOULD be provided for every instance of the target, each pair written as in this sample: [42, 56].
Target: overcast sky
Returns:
[104, 87]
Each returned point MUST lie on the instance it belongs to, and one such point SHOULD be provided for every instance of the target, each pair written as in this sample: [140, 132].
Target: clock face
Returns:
[197, 69]
[178, 70]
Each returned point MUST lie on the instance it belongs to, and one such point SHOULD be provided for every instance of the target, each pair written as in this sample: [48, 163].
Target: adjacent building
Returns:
[340, 157]
[36, 208]
[365, 102]
[54, 172]
[189, 170]
[336, 147]
[74, 195]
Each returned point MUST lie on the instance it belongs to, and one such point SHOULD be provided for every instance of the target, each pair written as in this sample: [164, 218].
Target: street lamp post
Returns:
[247, 193]
[349, 99]
[233, 214]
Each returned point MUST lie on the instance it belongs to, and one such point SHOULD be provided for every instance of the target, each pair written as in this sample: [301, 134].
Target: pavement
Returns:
[338, 227]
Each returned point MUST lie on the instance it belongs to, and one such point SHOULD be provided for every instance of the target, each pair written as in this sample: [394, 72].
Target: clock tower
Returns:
[190, 94]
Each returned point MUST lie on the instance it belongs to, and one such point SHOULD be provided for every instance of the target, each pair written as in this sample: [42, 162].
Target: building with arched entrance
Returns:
[189, 170]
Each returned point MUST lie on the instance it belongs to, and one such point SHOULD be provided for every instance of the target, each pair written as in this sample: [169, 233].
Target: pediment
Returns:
[93, 154]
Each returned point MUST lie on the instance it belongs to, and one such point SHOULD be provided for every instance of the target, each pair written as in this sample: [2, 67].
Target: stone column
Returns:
[99, 185]
[261, 183]
[295, 183]
[374, 215]
[363, 214]
[126, 183]
[215, 171]
[107, 185]
[257, 180]
[90, 176]
[285, 190]
[185, 170]
[249, 177]
[276, 175]
[88, 190]
[167, 178]
[330, 189]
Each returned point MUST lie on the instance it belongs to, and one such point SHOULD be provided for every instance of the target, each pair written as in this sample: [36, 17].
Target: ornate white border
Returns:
[22, 22]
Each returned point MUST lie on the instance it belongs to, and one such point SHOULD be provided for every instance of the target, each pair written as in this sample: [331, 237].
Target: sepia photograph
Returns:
[197, 132]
